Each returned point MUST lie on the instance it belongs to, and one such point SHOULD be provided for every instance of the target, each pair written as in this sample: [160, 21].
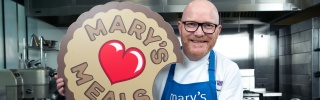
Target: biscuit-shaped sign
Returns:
[115, 51]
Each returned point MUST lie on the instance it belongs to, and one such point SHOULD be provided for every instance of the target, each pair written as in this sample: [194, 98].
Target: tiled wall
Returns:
[297, 60]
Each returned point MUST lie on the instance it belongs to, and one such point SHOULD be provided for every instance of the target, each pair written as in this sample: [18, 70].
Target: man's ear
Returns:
[218, 30]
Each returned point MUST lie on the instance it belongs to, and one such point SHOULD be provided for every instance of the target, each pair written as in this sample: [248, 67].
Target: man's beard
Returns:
[188, 49]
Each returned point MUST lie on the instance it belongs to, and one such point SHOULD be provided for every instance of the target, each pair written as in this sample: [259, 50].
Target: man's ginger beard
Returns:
[187, 48]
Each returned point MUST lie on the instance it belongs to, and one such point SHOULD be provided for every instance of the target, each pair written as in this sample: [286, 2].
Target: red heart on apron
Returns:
[120, 64]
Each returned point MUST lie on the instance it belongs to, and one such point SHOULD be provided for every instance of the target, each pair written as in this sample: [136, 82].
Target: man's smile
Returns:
[198, 40]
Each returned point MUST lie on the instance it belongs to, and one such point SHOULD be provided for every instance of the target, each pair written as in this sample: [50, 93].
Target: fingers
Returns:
[60, 85]
[56, 77]
[59, 80]
[61, 91]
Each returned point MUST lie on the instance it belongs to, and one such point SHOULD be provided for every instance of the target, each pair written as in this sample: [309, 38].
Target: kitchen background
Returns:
[279, 39]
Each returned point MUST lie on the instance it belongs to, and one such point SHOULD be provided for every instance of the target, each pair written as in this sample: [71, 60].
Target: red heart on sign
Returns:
[119, 64]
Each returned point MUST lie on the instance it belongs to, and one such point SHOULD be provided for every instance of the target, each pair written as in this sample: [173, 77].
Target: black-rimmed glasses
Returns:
[192, 26]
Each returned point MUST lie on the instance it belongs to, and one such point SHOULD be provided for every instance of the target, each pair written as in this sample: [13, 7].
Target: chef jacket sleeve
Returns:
[232, 87]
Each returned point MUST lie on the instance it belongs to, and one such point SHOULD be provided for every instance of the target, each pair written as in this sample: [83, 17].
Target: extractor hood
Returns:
[62, 13]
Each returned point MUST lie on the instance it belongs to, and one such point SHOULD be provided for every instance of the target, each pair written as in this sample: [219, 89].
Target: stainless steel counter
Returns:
[259, 95]
[271, 94]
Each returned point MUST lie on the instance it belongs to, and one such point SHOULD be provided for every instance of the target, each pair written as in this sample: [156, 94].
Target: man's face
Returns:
[197, 44]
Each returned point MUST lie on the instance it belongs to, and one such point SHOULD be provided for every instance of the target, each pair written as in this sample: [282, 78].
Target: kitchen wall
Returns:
[253, 47]
[12, 31]
[235, 44]
[265, 58]
[298, 60]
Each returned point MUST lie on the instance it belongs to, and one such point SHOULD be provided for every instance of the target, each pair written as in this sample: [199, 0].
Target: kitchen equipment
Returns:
[248, 85]
[36, 42]
[17, 84]
[11, 85]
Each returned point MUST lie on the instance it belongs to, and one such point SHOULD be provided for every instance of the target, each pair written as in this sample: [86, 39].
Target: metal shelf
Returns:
[44, 48]
[37, 44]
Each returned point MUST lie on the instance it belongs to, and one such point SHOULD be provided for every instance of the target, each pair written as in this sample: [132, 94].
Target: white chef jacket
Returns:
[227, 75]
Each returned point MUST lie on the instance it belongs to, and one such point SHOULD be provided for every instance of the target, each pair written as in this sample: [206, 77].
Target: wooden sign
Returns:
[114, 52]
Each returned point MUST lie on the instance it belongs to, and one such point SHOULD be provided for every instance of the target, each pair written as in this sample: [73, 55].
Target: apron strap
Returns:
[171, 72]
[211, 66]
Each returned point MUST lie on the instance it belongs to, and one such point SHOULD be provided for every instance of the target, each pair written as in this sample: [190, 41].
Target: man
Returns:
[205, 74]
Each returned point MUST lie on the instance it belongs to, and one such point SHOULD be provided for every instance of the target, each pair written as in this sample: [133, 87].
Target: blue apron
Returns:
[193, 91]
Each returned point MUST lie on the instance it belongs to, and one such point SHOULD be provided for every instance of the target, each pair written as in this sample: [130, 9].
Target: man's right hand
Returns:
[60, 85]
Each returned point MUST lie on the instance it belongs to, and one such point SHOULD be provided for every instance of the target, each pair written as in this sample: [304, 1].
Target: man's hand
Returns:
[60, 85]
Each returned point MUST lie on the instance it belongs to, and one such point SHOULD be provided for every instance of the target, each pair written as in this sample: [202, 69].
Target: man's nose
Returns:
[199, 31]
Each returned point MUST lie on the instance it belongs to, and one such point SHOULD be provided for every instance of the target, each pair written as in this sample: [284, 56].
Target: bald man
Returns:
[205, 74]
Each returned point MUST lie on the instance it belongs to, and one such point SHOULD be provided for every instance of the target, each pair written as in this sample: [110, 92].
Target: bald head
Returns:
[204, 8]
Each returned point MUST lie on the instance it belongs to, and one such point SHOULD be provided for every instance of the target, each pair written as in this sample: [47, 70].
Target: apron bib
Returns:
[193, 91]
